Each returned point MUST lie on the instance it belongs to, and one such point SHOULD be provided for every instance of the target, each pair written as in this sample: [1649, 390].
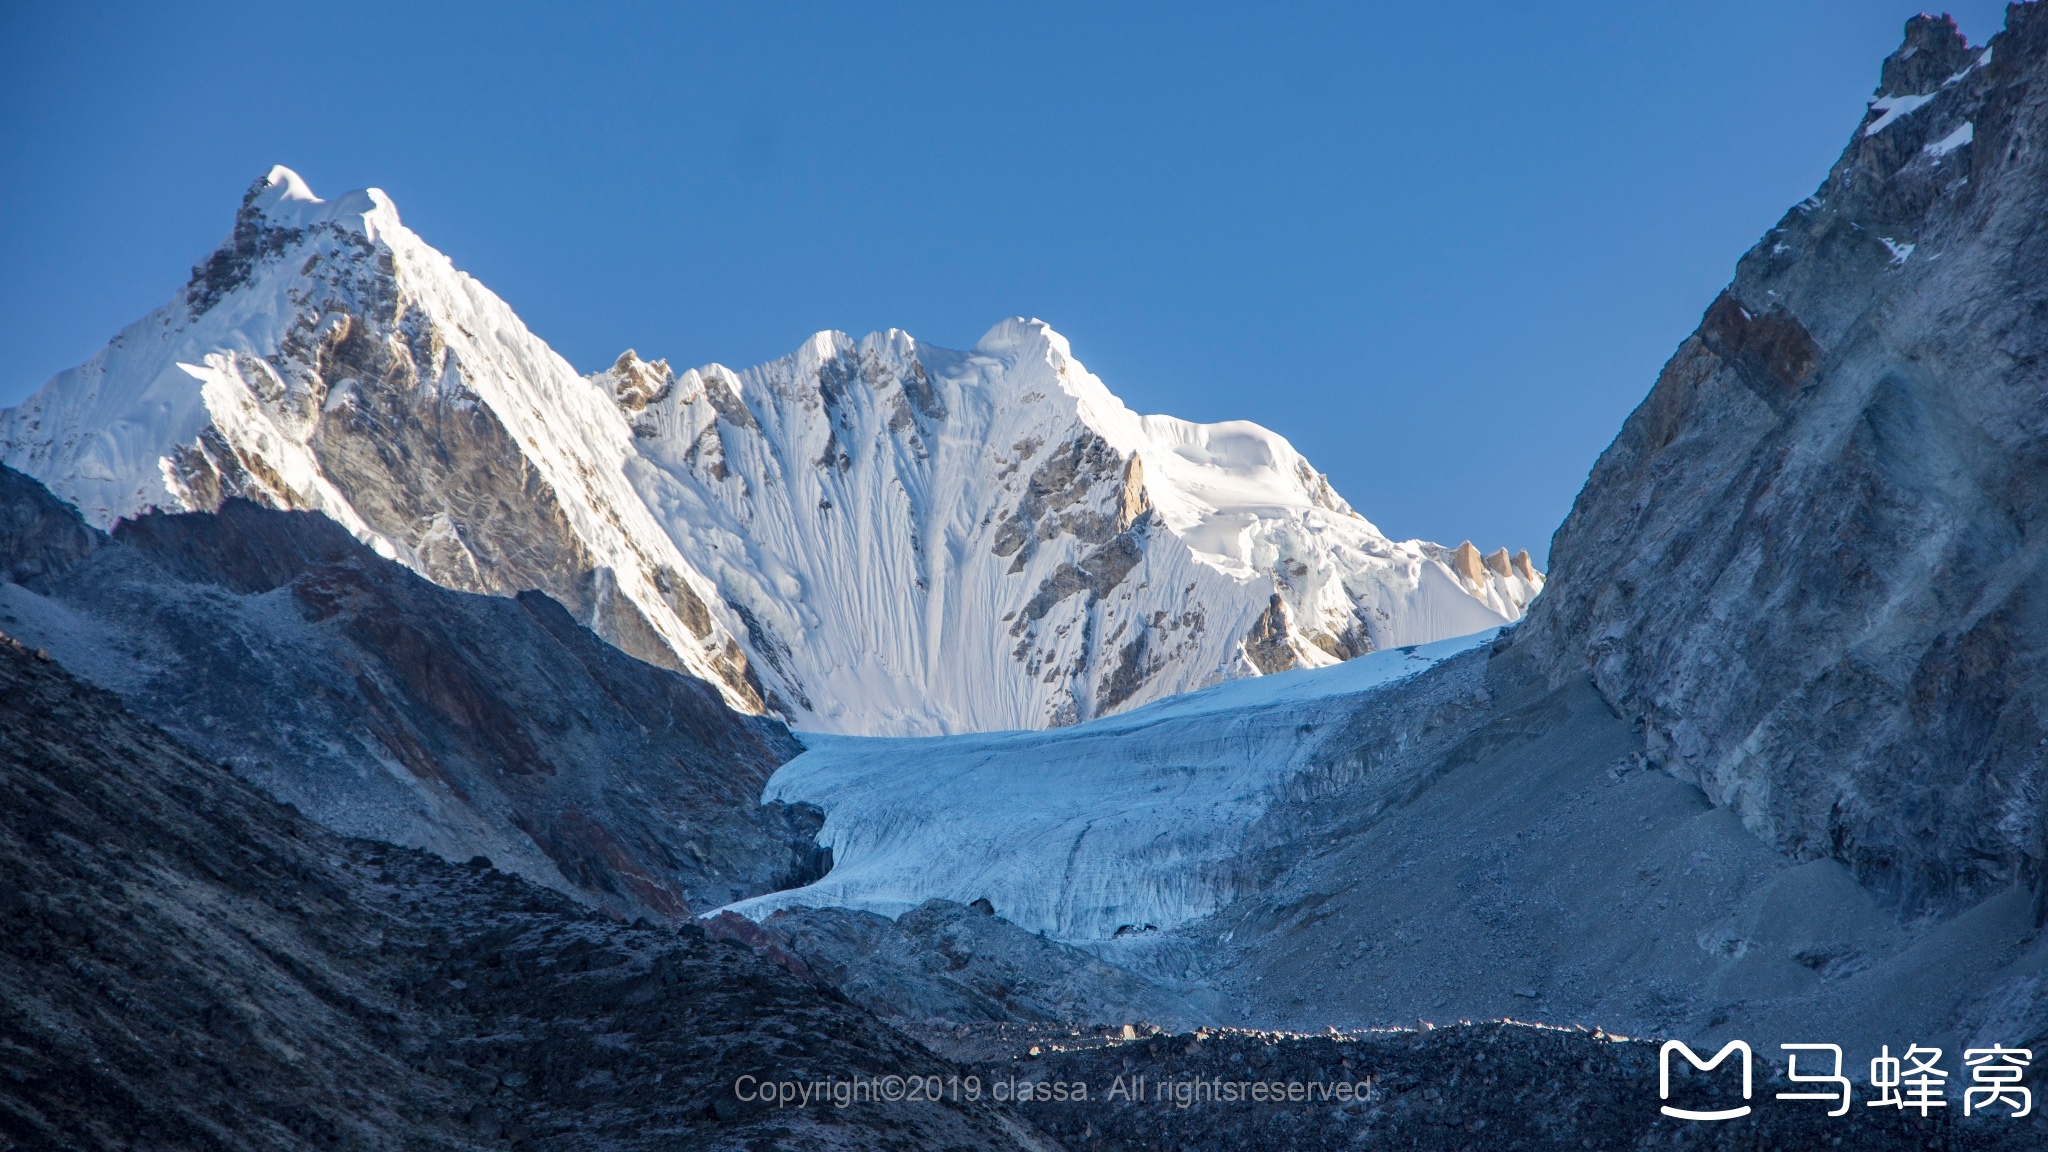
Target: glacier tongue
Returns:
[1114, 827]
[872, 537]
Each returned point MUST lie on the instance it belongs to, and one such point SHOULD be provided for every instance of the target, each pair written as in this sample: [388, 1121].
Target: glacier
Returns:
[869, 537]
[1118, 827]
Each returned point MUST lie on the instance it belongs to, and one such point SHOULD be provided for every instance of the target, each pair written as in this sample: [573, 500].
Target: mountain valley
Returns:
[409, 741]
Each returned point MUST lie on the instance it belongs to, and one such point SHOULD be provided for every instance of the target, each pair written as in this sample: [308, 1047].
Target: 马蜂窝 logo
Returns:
[1912, 1081]
[1691, 1057]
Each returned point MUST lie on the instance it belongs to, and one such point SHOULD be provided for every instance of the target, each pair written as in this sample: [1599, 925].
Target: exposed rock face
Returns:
[187, 964]
[1267, 644]
[1812, 561]
[1473, 844]
[873, 537]
[385, 706]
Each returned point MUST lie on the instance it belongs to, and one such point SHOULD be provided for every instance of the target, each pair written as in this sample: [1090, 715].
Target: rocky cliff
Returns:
[1812, 561]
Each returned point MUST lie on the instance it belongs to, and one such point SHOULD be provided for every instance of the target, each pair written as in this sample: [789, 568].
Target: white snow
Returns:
[1121, 823]
[1953, 140]
[1899, 251]
[1892, 108]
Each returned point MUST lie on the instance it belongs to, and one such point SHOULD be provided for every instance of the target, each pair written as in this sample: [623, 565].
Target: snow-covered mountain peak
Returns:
[326, 358]
[283, 199]
[916, 539]
[1201, 469]
[1020, 339]
[872, 535]
[1036, 361]
[282, 186]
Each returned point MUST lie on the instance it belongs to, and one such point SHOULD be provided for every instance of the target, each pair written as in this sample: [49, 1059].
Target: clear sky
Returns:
[1442, 247]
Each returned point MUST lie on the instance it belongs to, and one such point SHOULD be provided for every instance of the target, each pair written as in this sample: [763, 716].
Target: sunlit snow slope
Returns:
[877, 537]
[1119, 826]
[918, 540]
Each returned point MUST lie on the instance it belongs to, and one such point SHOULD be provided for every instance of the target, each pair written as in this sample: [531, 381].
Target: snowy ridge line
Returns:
[1114, 828]
[877, 537]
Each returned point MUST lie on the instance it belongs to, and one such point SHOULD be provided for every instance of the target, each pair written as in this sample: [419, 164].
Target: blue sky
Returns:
[1443, 248]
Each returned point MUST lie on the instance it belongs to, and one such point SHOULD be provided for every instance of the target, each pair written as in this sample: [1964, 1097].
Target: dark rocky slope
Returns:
[1501, 1086]
[185, 963]
[943, 964]
[385, 706]
[1812, 561]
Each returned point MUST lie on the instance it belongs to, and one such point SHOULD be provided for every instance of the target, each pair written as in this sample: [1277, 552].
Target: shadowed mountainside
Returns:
[385, 706]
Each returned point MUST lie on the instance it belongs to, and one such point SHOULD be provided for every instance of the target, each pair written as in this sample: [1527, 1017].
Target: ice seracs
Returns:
[867, 536]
